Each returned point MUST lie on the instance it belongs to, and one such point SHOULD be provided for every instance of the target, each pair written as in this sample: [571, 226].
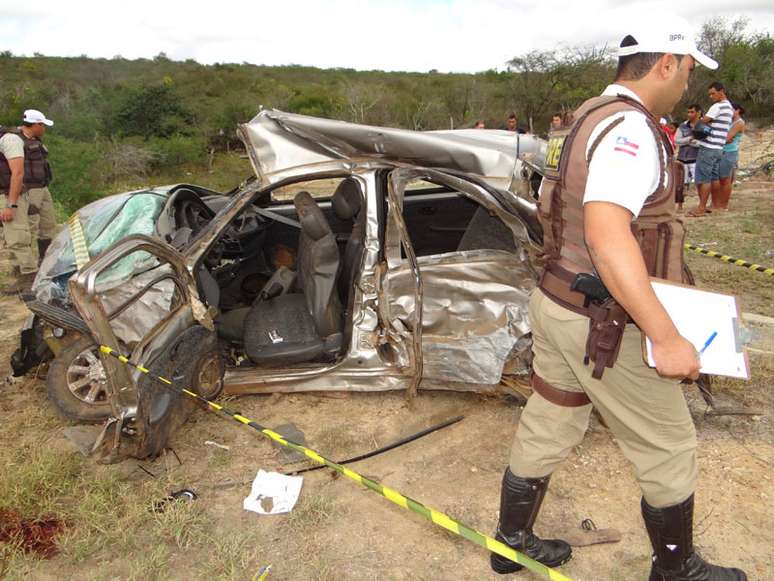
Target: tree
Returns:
[153, 111]
[746, 66]
[544, 80]
[361, 98]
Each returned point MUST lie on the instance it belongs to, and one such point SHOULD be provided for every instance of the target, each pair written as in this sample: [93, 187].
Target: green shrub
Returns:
[177, 150]
[79, 171]
[152, 111]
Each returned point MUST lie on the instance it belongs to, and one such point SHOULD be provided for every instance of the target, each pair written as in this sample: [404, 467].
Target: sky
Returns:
[391, 35]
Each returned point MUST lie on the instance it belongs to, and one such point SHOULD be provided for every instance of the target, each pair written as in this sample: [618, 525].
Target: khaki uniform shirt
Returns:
[11, 146]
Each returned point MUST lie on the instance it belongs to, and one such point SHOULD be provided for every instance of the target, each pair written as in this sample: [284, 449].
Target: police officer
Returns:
[607, 209]
[26, 208]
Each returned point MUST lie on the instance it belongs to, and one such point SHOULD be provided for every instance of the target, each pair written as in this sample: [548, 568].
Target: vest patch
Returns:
[554, 151]
[626, 146]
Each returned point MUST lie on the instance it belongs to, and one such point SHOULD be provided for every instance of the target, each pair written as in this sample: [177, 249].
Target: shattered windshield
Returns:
[104, 223]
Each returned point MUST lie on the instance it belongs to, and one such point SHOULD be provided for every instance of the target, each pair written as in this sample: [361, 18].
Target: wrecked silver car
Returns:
[360, 259]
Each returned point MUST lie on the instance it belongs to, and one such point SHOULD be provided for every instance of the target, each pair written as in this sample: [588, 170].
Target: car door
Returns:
[472, 303]
[139, 299]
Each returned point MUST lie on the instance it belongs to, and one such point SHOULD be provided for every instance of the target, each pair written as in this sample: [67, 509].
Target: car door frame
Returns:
[185, 310]
[397, 236]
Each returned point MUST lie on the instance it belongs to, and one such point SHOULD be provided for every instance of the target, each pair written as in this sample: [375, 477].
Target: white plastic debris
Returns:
[221, 446]
[273, 493]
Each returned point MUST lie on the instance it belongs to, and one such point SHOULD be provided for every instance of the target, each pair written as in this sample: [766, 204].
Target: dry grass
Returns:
[744, 232]
[311, 512]
[339, 441]
[107, 518]
[232, 555]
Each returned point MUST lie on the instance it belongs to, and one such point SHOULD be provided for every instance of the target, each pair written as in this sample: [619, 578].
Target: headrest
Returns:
[313, 222]
[347, 200]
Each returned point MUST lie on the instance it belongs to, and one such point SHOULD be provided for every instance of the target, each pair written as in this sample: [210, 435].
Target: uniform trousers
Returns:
[646, 413]
[33, 219]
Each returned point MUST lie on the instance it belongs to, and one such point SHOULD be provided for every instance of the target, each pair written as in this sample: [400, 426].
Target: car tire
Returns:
[208, 376]
[76, 383]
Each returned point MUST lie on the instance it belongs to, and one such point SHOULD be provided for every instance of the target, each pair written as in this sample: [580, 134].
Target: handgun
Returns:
[591, 287]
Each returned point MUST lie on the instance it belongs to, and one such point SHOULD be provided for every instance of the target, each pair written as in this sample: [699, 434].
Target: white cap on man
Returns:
[672, 35]
[35, 116]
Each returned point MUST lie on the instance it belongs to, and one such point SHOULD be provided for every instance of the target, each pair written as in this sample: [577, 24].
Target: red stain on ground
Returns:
[36, 535]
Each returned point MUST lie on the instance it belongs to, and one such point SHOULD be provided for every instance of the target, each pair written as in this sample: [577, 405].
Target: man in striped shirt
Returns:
[718, 120]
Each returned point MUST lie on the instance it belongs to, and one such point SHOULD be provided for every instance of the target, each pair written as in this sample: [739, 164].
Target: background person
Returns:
[670, 128]
[686, 154]
[556, 121]
[730, 157]
[27, 211]
[610, 176]
[718, 118]
[687, 143]
[512, 124]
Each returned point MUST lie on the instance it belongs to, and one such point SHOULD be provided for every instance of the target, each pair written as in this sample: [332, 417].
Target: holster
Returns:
[607, 322]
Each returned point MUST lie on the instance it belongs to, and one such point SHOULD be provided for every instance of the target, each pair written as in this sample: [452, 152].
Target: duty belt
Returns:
[555, 283]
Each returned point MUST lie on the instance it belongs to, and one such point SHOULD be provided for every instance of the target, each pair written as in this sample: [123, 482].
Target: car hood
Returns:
[277, 141]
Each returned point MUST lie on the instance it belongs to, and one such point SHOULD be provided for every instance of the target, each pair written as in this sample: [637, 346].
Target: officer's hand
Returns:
[677, 358]
[6, 215]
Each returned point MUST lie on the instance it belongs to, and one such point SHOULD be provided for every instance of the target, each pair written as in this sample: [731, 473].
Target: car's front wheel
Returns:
[77, 384]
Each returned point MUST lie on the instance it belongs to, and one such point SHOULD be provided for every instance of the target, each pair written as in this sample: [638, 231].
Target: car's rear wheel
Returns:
[77, 384]
[208, 376]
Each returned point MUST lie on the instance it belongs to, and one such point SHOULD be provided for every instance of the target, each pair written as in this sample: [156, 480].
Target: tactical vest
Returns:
[658, 231]
[37, 171]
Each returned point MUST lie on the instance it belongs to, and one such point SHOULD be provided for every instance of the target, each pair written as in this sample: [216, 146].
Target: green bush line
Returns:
[120, 120]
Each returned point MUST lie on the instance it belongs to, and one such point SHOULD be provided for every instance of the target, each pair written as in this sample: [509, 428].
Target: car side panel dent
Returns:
[475, 313]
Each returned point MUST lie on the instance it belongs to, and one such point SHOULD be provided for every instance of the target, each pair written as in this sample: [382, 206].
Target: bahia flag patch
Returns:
[626, 146]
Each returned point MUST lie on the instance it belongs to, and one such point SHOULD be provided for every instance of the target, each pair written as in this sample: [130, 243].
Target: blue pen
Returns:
[710, 340]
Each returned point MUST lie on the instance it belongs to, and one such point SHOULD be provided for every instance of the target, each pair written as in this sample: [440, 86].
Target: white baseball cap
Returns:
[35, 116]
[670, 35]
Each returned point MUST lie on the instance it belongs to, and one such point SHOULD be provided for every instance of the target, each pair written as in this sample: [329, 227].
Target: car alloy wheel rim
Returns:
[86, 378]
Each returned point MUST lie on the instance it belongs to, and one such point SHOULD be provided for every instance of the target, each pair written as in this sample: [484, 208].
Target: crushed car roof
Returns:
[277, 141]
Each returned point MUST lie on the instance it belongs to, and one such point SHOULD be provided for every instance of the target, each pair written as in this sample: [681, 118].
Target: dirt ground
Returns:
[340, 530]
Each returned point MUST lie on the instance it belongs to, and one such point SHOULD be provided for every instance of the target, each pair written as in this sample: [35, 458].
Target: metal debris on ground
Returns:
[175, 496]
[386, 448]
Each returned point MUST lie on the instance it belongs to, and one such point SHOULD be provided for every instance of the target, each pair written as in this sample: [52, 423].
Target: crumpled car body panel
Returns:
[452, 320]
[276, 141]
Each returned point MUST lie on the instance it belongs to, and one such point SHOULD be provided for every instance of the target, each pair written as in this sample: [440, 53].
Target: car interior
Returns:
[282, 276]
[283, 287]
[440, 220]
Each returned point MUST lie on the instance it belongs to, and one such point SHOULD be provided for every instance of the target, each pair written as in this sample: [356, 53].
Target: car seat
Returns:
[305, 324]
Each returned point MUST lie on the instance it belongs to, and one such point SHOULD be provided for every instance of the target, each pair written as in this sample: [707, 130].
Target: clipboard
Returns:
[698, 314]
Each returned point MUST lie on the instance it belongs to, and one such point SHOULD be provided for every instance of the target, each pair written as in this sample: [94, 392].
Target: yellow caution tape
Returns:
[434, 516]
[80, 249]
[730, 259]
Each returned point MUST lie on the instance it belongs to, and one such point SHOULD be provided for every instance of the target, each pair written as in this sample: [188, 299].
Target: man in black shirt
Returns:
[512, 124]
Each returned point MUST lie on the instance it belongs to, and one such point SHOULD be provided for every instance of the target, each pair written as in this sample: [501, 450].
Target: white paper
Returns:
[273, 493]
[697, 315]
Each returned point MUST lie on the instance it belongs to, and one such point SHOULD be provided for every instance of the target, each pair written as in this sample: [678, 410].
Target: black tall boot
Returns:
[43, 244]
[671, 533]
[520, 500]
